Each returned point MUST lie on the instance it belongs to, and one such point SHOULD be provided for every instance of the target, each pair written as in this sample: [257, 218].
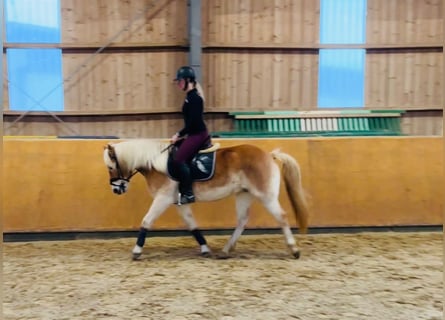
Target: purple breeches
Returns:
[190, 146]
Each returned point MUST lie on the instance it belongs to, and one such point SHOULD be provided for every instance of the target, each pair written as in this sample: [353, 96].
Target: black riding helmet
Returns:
[185, 72]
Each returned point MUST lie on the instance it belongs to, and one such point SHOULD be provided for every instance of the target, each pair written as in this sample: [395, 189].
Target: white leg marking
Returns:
[137, 249]
[159, 205]
[205, 249]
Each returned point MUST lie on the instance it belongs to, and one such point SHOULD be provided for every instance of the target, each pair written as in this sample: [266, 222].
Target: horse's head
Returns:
[119, 175]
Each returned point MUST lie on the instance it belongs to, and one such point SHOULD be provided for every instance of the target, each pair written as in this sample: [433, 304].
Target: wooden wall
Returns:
[260, 22]
[257, 55]
[96, 21]
[404, 79]
[130, 81]
[410, 74]
[404, 22]
[62, 185]
[152, 125]
[261, 80]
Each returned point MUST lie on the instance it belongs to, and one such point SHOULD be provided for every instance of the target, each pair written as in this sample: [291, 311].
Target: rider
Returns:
[194, 133]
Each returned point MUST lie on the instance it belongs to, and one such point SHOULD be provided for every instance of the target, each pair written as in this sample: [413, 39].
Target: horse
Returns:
[244, 170]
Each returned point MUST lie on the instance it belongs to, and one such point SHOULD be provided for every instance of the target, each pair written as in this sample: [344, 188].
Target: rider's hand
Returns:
[174, 138]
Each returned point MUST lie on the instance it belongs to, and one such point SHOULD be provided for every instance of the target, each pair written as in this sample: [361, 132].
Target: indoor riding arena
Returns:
[349, 89]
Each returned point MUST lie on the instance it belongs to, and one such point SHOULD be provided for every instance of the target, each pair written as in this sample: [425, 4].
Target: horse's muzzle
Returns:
[119, 186]
[118, 190]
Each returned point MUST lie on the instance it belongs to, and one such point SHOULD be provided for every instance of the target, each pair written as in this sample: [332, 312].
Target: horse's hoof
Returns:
[223, 255]
[137, 251]
[206, 254]
[296, 254]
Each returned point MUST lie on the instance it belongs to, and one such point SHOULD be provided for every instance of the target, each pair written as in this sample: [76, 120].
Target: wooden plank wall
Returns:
[95, 21]
[255, 22]
[405, 78]
[257, 55]
[404, 22]
[423, 123]
[137, 77]
[153, 125]
[123, 81]
[262, 80]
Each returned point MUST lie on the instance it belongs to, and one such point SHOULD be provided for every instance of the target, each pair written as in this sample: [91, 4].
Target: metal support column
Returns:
[195, 32]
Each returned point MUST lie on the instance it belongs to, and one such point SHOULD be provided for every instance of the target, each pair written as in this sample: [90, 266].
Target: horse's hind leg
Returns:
[189, 219]
[280, 215]
[243, 201]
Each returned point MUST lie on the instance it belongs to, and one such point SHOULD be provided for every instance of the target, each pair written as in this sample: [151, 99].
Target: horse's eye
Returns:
[110, 168]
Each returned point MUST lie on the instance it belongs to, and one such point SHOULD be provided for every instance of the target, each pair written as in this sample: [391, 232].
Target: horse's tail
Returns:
[292, 180]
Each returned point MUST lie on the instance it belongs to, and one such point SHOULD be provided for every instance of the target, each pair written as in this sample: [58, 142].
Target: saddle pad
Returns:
[202, 166]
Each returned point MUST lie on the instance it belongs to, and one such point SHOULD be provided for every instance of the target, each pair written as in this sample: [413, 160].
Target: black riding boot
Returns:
[185, 185]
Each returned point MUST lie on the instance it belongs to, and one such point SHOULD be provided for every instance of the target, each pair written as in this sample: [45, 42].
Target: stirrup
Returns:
[185, 199]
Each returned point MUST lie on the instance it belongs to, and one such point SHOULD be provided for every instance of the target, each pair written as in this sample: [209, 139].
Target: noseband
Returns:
[120, 175]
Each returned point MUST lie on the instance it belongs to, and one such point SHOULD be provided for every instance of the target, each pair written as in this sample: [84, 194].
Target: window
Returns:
[342, 21]
[34, 75]
[341, 72]
[35, 79]
[341, 78]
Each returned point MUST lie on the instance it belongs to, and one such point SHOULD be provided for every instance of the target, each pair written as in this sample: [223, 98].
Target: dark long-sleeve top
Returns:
[193, 112]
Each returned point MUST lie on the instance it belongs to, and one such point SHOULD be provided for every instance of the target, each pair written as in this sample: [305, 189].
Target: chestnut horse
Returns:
[243, 170]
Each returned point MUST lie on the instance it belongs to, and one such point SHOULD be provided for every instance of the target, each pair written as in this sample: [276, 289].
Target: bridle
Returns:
[113, 181]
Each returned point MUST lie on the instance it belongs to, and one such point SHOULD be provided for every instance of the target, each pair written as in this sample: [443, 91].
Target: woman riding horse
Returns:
[194, 133]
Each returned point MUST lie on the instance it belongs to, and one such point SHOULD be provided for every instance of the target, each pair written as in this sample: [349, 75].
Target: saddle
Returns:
[202, 165]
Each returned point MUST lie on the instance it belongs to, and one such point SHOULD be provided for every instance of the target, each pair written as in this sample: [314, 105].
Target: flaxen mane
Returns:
[142, 153]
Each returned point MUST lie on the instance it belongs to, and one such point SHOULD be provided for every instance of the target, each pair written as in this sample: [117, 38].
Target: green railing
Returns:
[314, 123]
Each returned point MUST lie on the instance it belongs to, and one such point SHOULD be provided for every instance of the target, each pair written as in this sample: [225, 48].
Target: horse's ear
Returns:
[111, 152]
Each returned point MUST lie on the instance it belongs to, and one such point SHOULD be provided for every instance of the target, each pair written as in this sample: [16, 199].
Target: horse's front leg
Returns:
[189, 219]
[159, 205]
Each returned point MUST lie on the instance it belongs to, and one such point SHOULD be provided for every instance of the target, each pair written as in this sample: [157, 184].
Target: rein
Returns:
[168, 147]
[171, 145]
